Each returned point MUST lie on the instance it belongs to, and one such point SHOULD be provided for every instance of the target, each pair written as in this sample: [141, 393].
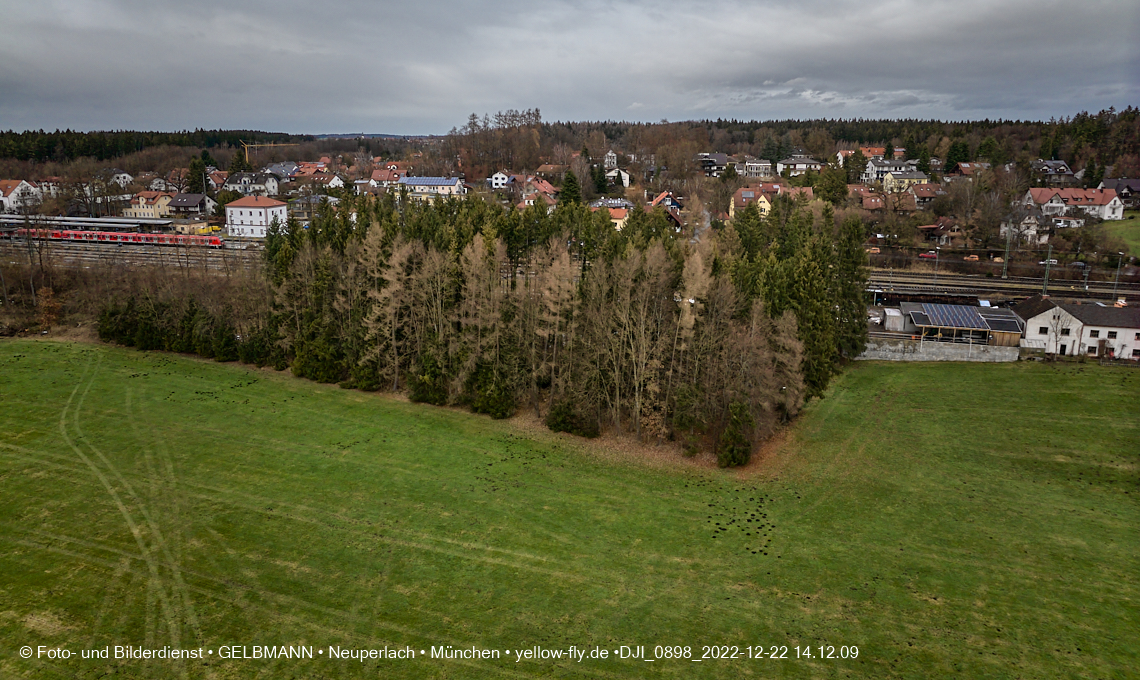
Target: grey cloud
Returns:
[397, 67]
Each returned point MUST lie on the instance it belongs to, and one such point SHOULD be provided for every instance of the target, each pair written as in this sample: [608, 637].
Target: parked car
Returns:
[1078, 263]
[971, 258]
[929, 255]
[999, 260]
[873, 251]
[1049, 261]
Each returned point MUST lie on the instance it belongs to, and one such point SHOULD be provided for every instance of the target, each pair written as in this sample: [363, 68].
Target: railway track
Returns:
[965, 284]
[88, 255]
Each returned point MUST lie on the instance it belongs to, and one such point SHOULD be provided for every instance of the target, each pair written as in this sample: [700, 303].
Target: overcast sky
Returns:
[422, 67]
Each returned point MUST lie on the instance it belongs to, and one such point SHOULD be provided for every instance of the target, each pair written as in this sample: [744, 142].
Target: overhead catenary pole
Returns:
[1005, 262]
[1048, 261]
[1119, 261]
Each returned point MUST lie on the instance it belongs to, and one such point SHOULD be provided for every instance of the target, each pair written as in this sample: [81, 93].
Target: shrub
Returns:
[563, 417]
[735, 445]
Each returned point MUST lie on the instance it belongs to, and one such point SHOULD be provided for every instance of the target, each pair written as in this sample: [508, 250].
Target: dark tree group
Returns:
[713, 342]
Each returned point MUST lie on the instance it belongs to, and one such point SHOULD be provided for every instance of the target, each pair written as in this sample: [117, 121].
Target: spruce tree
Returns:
[571, 191]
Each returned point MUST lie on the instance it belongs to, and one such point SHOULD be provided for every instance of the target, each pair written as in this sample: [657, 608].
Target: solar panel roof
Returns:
[954, 316]
[1004, 325]
[920, 319]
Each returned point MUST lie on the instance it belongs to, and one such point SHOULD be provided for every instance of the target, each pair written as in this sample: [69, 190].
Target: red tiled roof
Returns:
[1074, 196]
[255, 202]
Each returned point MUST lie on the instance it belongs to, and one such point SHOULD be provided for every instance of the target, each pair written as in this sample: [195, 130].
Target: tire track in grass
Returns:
[272, 613]
[130, 520]
[177, 587]
[170, 491]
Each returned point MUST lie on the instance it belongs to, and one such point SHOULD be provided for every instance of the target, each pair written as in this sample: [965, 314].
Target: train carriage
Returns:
[118, 237]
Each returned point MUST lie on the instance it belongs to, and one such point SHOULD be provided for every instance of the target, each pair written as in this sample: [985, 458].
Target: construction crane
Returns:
[247, 147]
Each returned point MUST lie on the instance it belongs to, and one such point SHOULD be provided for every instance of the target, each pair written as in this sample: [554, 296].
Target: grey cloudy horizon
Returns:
[417, 68]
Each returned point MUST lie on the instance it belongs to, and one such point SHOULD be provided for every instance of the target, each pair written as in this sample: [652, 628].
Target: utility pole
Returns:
[937, 257]
[1087, 277]
[1005, 262]
[1048, 260]
[1119, 261]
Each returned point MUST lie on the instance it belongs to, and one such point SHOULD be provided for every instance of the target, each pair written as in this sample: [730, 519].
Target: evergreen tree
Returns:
[959, 152]
[571, 192]
[856, 165]
[832, 186]
[239, 164]
[889, 152]
[196, 181]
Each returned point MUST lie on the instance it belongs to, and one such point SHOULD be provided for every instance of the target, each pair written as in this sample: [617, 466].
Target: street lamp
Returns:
[1119, 260]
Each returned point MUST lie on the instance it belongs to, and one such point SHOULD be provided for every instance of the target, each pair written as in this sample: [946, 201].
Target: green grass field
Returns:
[1128, 230]
[961, 520]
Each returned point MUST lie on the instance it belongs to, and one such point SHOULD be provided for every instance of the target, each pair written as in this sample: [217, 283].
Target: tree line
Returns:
[714, 342]
[66, 145]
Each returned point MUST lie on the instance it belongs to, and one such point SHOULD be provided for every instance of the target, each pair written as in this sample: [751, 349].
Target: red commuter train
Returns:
[120, 237]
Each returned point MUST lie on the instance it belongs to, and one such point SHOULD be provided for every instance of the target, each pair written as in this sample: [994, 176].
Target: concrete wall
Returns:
[913, 350]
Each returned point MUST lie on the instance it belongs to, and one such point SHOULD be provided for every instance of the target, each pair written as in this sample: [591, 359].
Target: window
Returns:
[1092, 350]
[1136, 353]
[1094, 334]
[1064, 331]
[1044, 330]
[1112, 335]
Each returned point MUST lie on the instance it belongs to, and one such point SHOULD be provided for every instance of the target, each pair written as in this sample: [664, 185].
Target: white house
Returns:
[500, 180]
[797, 165]
[427, 188]
[117, 176]
[878, 168]
[16, 193]
[252, 183]
[252, 215]
[1091, 329]
[1102, 203]
[611, 160]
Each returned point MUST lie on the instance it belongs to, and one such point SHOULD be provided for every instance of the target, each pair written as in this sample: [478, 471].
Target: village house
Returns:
[17, 194]
[499, 180]
[797, 165]
[193, 204]
[252, 183]
[712, 164]
[1090, 329]
[429, 188]
[150, 205]
[925, 193]
[1102, 203]
[1128, 190]
[251, 216]
[897, 182]
[751, 167]
[877, 169]
[1053, 173]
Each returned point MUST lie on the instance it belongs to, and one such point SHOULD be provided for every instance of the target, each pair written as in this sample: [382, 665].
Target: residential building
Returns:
[251, 216]
[1053, 173]
[751, 167]
[712, 164]
[16, 194]
[925, 193]
[117, 176]
[1102, 203]
[193, 204]
[252, 183]
[897, 182]
[749, 195]
[216, 179]
[302, 209]
[877, 169]
[428, 188]
[499, 180]
[283, 170]
[797, 165]
[611, 160]
[150, 205]
[1127, 189]
[618, 216]
[617, 176]
[1089, 329]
